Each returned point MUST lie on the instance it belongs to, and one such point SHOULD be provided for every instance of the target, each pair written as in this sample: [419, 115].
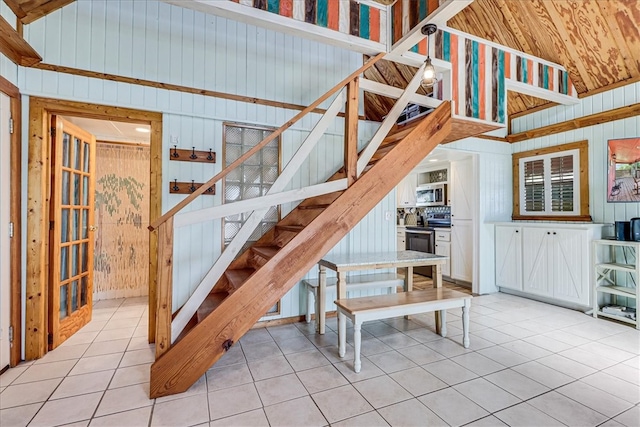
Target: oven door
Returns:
[423, 241]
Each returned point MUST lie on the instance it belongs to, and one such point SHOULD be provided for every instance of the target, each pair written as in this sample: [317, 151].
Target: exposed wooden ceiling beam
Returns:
[44, 9]
[14, 47]
[14, 5]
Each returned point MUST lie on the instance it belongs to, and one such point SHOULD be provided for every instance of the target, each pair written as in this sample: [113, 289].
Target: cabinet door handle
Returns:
[517, 231]
[554, 233]
[548, 232]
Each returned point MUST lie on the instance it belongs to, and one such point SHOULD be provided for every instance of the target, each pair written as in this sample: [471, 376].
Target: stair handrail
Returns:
[224, 172]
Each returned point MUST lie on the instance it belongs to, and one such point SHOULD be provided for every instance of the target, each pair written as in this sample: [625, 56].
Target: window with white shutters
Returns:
[549, 184]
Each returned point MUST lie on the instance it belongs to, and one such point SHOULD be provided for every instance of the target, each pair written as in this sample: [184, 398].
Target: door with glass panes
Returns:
[71, 230]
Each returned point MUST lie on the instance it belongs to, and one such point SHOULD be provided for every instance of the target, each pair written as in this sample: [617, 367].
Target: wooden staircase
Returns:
[265, 272]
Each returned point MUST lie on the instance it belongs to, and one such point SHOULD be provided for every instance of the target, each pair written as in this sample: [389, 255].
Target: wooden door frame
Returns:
[38, 197]
[15, 197]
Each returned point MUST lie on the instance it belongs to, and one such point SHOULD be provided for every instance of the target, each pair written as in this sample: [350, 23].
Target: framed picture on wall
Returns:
[623, 170]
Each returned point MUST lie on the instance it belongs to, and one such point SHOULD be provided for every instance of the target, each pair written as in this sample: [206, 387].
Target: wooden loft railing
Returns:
[168, 329]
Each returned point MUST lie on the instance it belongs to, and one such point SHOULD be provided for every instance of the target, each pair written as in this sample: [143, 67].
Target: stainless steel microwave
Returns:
[431, 195]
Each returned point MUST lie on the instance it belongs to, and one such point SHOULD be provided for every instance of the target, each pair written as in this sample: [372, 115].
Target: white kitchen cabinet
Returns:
[402, 238]
[406, 192]
[461, 189]
[462, 249]
[443, 247]
[549, 260]
[509, 257]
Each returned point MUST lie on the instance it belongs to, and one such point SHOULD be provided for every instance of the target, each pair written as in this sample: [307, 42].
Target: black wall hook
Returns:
[175, 185]
[210, 156]
[193, 187]
[175, 152]
[193, 153]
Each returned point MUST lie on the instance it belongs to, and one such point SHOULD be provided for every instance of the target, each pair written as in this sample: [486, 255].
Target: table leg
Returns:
[436, 276]
[341, 289]
[321, 299]
[357, 364]
[465, 323]
[408, 282]
[443, 325]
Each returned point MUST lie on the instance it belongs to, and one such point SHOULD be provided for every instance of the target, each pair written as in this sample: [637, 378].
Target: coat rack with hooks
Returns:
[176, 187]
[192, 155]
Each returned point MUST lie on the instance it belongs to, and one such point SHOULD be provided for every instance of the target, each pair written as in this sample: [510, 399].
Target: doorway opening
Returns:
[41, 190]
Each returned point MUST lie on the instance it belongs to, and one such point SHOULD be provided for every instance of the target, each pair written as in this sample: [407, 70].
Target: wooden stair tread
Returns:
[266, 252]
[210, 303]
[294, 228]
[323, 206]
[237, 277]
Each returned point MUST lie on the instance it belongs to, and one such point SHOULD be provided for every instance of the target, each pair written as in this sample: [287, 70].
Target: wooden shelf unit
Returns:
[617, 271]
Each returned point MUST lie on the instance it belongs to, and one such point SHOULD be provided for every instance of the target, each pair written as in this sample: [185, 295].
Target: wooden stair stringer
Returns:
[188, 359]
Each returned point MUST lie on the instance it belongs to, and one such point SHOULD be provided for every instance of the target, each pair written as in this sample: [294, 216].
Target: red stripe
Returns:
[422, 47]
[481, 81]
[453, 46]
[530, 71]
[397, 21]
[286, 8]
[431, 6]
[333, 14]
[374, 24]
[507, 65]
[550, 72]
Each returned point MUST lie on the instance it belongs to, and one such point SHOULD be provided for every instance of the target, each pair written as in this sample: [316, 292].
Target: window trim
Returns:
[583, 197]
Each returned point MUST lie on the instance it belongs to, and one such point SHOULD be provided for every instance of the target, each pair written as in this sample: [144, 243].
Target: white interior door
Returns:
[5, 272]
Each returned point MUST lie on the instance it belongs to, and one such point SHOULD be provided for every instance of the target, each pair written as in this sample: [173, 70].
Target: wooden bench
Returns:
[401, 304]
[389, 281]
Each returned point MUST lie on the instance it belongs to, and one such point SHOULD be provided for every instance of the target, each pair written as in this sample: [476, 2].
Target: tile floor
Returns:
[530, 364]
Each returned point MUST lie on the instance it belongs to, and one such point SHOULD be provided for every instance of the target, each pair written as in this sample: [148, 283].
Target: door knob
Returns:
[92, 228]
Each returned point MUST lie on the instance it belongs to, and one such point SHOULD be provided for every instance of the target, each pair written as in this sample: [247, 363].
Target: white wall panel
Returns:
[8, 69]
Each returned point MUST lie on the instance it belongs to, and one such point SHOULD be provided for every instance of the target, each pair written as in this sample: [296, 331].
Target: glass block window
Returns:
[251, 179]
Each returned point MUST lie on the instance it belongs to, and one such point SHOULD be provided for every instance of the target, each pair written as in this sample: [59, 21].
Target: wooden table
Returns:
[355, 262]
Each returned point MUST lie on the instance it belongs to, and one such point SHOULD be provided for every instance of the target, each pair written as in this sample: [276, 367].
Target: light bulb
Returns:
[429, 75]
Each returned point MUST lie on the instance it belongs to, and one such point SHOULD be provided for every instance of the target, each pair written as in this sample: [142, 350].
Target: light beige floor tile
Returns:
[567, 366]
[233, 401]
[629, 418]
[137, 357]
[487, 395]
[450, 372]
[321, 378]
[140, 343]
[588, 358]
[108, 303]
[548, 343]
[228, 376]
[259, 351]
[81, 338]
[410, 413]
[234, 356]
[420, 354]
[624, 372]
[83, 384]
[615, 386]
[628, 341]
[494, 336]
[373, 346]
[255, 336]
[369, 370]
[284, 332]
[329, 338]
[634, 363]
[453, 407]
[18, 416]
[476, 343]
[11, 374]
[447, 347]
[423, 335]
[141, 331]
[514, 331]
[391, 361]
[517, 384]
[96, 363]
[333, 355]
[188, 411]
[124, 399]
[605, 350]
[134, 418]
[68, 352]
[477, 363]
[131, 375]
[120, 323]
[398, 340]
[594, 398]
[295, 345]
[341, 403]
[382, 391]
[489, 421]
[370, 419]
[525, 415]
[24, 394]
[45, 371]
[525, 350]
[280, 389]
[567, 338]
[269, 367]
[299, 412]
[255, 418]
[115, 334]
[378, 329]
[417, 381]
[543, 374]
[106, 347]
[566, 410]
[199, 387]
[306, 360]
[67, 410]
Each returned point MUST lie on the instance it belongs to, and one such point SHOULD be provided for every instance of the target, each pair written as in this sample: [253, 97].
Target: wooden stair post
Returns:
[351, 133]
[165, 287]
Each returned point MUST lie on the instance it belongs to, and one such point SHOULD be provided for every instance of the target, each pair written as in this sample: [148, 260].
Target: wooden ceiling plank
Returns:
[407, 72]
[15, 47]
[514, 26]
[14, 5]
[43, 9]
[626, 16]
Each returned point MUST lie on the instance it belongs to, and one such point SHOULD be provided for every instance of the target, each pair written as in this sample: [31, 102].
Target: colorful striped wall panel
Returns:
[345, 16]
[406, 14]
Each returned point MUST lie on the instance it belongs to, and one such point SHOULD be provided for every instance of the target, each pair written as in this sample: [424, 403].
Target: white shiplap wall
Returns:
[598, 135]
[156, 41]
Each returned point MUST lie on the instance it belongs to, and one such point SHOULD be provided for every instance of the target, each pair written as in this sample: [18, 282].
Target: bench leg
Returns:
[342, 335]
[442, 314]
[357, 364]
[321, 297]
[310, 303]
[465, 323]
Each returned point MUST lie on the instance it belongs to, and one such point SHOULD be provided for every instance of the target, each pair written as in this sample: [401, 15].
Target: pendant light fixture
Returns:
[429, 75]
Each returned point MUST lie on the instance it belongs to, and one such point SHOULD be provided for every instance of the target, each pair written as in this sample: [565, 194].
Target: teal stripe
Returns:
[323, 16]
[446, 43]
[414, 49]
[423, 9]
[525, 72]
[273, 6]
[565, 79]
[364, 21]
[545, 78]
[501, 86]
[475, 85]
